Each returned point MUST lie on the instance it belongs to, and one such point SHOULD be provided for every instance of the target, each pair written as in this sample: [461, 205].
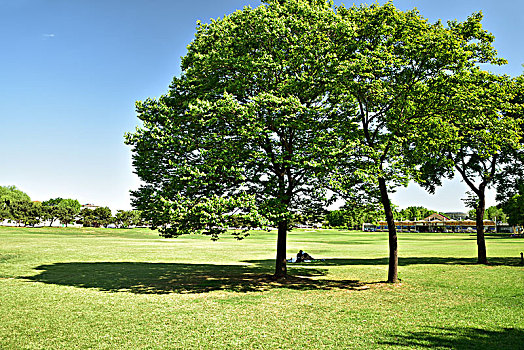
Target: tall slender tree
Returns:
[390, 64]
[510, 181]
[474, 137]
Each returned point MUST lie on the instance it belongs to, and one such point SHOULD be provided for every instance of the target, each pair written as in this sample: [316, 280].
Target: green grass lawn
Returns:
[131, 289]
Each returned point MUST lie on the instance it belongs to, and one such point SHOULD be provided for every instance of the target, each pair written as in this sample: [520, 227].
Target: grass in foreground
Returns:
[130, 289]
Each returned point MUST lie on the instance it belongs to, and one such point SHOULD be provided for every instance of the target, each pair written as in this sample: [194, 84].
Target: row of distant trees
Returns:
[352, 218]
[16, 206]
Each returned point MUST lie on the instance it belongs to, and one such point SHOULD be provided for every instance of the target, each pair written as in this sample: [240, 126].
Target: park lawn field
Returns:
[131, 289]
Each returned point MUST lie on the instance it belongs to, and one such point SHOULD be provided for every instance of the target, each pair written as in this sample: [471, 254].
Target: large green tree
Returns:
[513, 207]
[336, 218]
[25, 212]
[413, 213]
[50, 210]
[491, 213]
[86, 217]
[240, 132]
[11, 197]
[64, 210]
[391, 66]
[510, 181]
[474, 138]
[103, 216]
[127, 218]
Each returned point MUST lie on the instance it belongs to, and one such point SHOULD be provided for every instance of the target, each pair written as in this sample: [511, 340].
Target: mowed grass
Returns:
[131, 289]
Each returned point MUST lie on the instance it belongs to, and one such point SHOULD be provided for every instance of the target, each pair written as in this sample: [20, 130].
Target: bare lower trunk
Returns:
[393, 247]
[481, 240]
[281, 266]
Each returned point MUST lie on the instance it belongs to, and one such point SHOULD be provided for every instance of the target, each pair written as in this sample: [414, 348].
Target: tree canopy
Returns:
[238, 133]
[12, 194]
[11, 198]
[277, 103]
[393, 68]
[513, 207]
[64, 210]
[475, 137]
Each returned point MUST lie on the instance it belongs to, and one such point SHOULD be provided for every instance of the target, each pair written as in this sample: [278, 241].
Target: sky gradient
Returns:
[71, 72]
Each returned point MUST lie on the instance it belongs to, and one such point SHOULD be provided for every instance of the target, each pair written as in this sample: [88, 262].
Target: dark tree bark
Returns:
[281, 266]
[480, 207]
[393, 246]
[481, 240]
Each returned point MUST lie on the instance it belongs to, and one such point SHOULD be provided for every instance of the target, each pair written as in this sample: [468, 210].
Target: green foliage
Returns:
[336, 218]
[393, 65]
[66, 215]
[514, 208]
[238, 130]
[97, 217]
[67, 210]
[492, 213]
[9, 195]
[475, 135]
[510, 181]
[64, 210]
[25, 212]
[52, 202]
[496, 214]
[413, 213]
[103, 216]
[86, 217]
[357, 214]
[276, 103]
[478, 137]
[127, 218]
[50, 210]
[72, 204]
[392, 68]
[352, 216]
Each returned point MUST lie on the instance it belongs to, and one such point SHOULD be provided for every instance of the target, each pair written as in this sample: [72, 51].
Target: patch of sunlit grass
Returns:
[131, 289]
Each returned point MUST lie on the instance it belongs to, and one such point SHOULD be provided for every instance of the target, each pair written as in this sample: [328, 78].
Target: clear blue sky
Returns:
[71, 70]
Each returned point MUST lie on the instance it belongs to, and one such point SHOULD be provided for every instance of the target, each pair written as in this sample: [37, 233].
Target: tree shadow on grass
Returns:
[494, 261]
[162, 278]
[460, 338]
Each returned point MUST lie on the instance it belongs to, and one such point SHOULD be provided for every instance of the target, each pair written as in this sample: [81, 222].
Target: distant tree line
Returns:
[17, 207]
[352, 217]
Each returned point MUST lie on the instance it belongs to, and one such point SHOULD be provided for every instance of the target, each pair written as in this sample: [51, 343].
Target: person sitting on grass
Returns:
[301, 256]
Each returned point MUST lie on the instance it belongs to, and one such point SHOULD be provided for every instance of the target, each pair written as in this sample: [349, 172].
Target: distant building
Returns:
[436, 223]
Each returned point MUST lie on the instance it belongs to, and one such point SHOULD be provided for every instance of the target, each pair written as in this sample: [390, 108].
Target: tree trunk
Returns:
[393, 247]
[479, 217]
[281, 266]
